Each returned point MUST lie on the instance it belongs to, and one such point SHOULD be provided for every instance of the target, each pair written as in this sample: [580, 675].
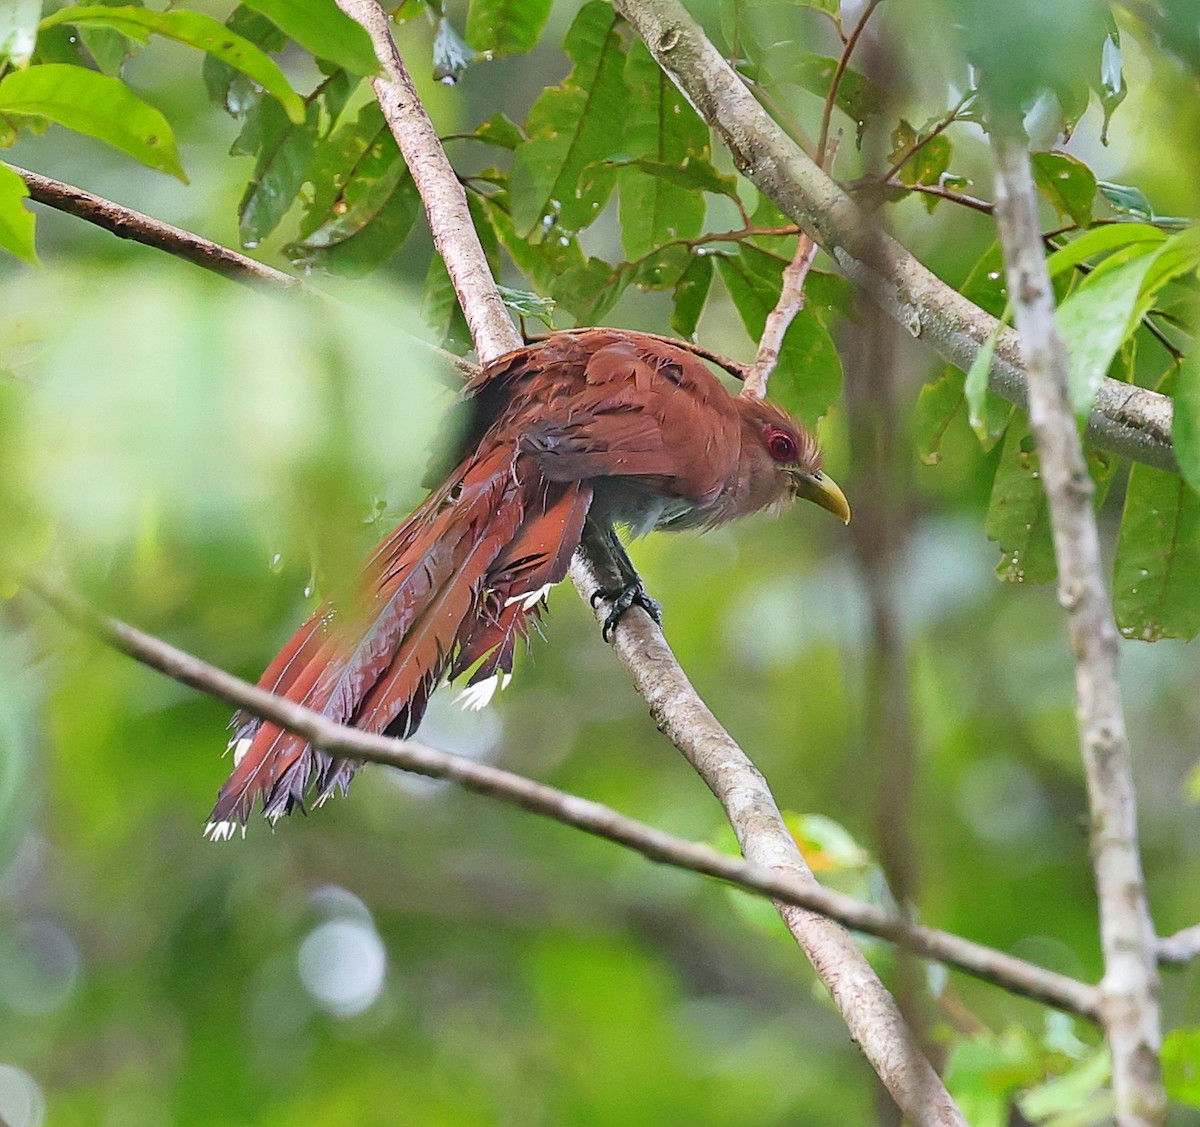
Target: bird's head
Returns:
[780, 461]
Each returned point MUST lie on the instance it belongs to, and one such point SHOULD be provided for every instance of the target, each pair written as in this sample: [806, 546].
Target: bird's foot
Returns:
[631, 595]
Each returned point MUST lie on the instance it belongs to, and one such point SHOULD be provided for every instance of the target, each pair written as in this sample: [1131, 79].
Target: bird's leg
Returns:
[631, 592]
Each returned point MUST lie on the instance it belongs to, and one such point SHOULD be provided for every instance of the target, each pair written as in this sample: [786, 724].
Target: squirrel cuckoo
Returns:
[566, 438]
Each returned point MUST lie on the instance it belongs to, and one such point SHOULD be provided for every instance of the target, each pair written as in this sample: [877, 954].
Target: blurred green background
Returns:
[200, 460]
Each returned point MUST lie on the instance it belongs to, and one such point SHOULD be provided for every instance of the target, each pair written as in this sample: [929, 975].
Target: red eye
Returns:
[781, 445]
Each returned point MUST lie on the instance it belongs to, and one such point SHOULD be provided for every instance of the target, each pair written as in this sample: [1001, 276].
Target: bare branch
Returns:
[869, 1011]
[836, 81]
[791, 301]
[1180, 948]
[1129, 1009]
[1006, 971]
[1129, 421]
[443, 195]
[126, 223]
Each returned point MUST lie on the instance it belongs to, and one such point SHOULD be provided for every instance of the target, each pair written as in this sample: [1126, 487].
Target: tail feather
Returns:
[435, 562]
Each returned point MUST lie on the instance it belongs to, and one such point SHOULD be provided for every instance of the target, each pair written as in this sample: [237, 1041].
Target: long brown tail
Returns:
[455, 584]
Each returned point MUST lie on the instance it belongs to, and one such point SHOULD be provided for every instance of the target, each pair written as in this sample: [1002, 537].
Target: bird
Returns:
[564, 440]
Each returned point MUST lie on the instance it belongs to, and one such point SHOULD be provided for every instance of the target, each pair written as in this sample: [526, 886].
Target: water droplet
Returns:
[993, 275]
[563, 241]
[308, 590]
[448, 80]
[1143, 572]
[249, 244]
[1064, 176]
[276, 564]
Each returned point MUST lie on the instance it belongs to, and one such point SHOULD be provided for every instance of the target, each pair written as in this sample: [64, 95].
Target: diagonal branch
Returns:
[1132, 422]
[1006, 971]
[869, 1010]
[1130, 1009]
[126, 223]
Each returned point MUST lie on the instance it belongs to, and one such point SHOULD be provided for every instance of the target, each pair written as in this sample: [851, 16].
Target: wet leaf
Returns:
[506, 27]
[691, 292]
[320, 26]
[570, 127]
[1067, 183]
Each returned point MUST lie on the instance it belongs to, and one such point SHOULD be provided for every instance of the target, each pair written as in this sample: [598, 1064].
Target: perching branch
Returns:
[1129, 421]
[1006, 971]
[1129, 1007]
[870, 1012]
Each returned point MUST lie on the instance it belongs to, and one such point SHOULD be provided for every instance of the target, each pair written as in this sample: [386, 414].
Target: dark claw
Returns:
[633, 595]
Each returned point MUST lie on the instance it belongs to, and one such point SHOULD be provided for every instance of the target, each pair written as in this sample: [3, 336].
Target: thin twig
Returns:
[1006, 971]
[1132, 422]
[791, 301]
[921, 142]
[836, 81]
[1130, 1008]
[1180, 948]
[960, 198]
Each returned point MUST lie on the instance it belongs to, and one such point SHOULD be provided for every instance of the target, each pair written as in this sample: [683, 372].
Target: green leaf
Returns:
[1185, 426]
[987, 412]
[1100, 240]
[1018, 519]
[1094, 322]
[452, 54]
[1131, 201]
[18, 30]
[691, 292]
[857, 96]
[95, 104]
[589, 291]
[353, 172]
[506, 27]
[938, 405]
[284, 153]
[808, 377]
[364, 201]
[107, 47]
[16, 222]
[196, 30]
[662, 128]
[320, 26]
[1156, 576]
[499, 130]
[545, 263]
[1181, 1065]
[527, 304]
[1067, 183]
[928, 163]
[1112, 77]
[228, 88]
[571, 127]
